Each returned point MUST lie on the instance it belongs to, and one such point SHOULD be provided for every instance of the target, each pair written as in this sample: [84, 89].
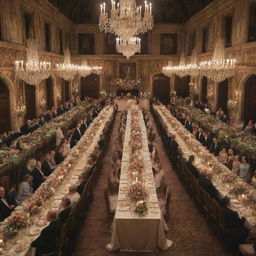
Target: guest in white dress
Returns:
[66, 147]
[59, 136]
[25, 189]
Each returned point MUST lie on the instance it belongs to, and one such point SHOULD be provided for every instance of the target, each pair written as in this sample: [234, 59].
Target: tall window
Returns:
[47, 33]
[61, 42]
[252, 23]
[205, 38]
[192, 43]
[228, 30]
[27, 23]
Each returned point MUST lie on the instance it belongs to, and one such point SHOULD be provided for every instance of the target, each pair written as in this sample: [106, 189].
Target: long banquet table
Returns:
[76, 162]
[207, 162]
[130, 231]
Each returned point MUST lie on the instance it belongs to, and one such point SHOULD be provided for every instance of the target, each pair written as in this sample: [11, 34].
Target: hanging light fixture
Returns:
[126, 19]
[128, 48]
[32, 71]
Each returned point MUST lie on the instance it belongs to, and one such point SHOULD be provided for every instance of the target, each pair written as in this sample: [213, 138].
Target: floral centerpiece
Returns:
[33, 206]
[141, 208]
[137, 192]
[238, 189]
[16, 222]
[228, 178]
[126, 84]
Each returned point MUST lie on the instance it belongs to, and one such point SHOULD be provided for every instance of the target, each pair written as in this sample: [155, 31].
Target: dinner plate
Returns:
[34, 231]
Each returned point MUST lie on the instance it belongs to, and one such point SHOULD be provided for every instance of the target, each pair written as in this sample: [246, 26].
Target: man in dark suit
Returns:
[59, 158]
[82, 179]
[38, 176]
[188, 125]
[236, 233]
[5, 208]
[25, 129]
[46, 166]
[65, 210]
[191, 167]
[76, 135]
[83, 126]
[48, 116]
[47, 242]
[215, 148]
[60, 110]
[207, 139]
[200, 136]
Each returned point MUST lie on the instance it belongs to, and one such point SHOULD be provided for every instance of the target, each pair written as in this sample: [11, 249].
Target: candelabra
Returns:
[21, 109]
[128, 48]
[126, 19]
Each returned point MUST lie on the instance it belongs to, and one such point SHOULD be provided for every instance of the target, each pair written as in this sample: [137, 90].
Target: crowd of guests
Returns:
[7, 138]
[239, 165]
[245, 127]
[36, 172]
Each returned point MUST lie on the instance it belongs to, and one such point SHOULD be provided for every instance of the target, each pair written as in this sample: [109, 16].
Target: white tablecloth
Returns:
[24, 236]
[131, 232]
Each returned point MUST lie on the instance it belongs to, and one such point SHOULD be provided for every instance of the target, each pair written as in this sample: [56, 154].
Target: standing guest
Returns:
[5, 207]
[236, 165]
[25, 189]
[72, 195]
[244, 170]
[46, 166]
[38, 176]
[47, 242]
[65, 210]
[223, 156]
[59, 158]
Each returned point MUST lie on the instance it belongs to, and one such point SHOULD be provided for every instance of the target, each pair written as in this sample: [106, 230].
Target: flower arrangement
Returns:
[33, 206]
[238, 189]
[126, 84]
[16, 222]
[141, 208]
[228, 178]
[137, 192]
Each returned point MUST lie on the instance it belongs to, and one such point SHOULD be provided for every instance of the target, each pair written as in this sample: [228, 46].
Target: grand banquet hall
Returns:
[127, 127]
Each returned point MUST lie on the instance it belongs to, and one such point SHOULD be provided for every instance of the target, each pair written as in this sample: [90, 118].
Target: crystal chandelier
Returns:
[32, 71]
[68, 71]
[126, 19]
[219, 68]
[128, 48]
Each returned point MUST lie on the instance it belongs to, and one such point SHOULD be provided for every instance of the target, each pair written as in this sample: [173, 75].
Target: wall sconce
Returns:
[21, 109]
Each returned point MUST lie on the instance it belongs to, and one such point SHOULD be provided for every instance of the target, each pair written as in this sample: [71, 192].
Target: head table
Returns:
[242, 195]
[59, 181]
[131, 232]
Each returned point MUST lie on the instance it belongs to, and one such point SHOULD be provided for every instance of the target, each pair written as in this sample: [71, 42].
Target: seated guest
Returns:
[59, 158]
[47, 242]
[52, 159]
[66, 147]
[249, 127]
[188, 125]
[10, 195]
[208, 186]
[5, 207]
[30, 166]
[230, 158]
[200, 136]
[25, 129]
[83, 126]
[82, 179]
[236, 231]
[60, 110]
[223, 156]
[207, 140]
[191, 167]
[48, 116]
[72, 195]
[76, 135]
[215, 148]
[25, 189]
[46, 166]
[59, 136]
[224, 118]
[236, 165]
[38, 176]
[65, 210]
[244, 170]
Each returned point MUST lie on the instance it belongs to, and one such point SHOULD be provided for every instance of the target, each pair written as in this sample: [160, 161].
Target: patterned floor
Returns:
[189, 230]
